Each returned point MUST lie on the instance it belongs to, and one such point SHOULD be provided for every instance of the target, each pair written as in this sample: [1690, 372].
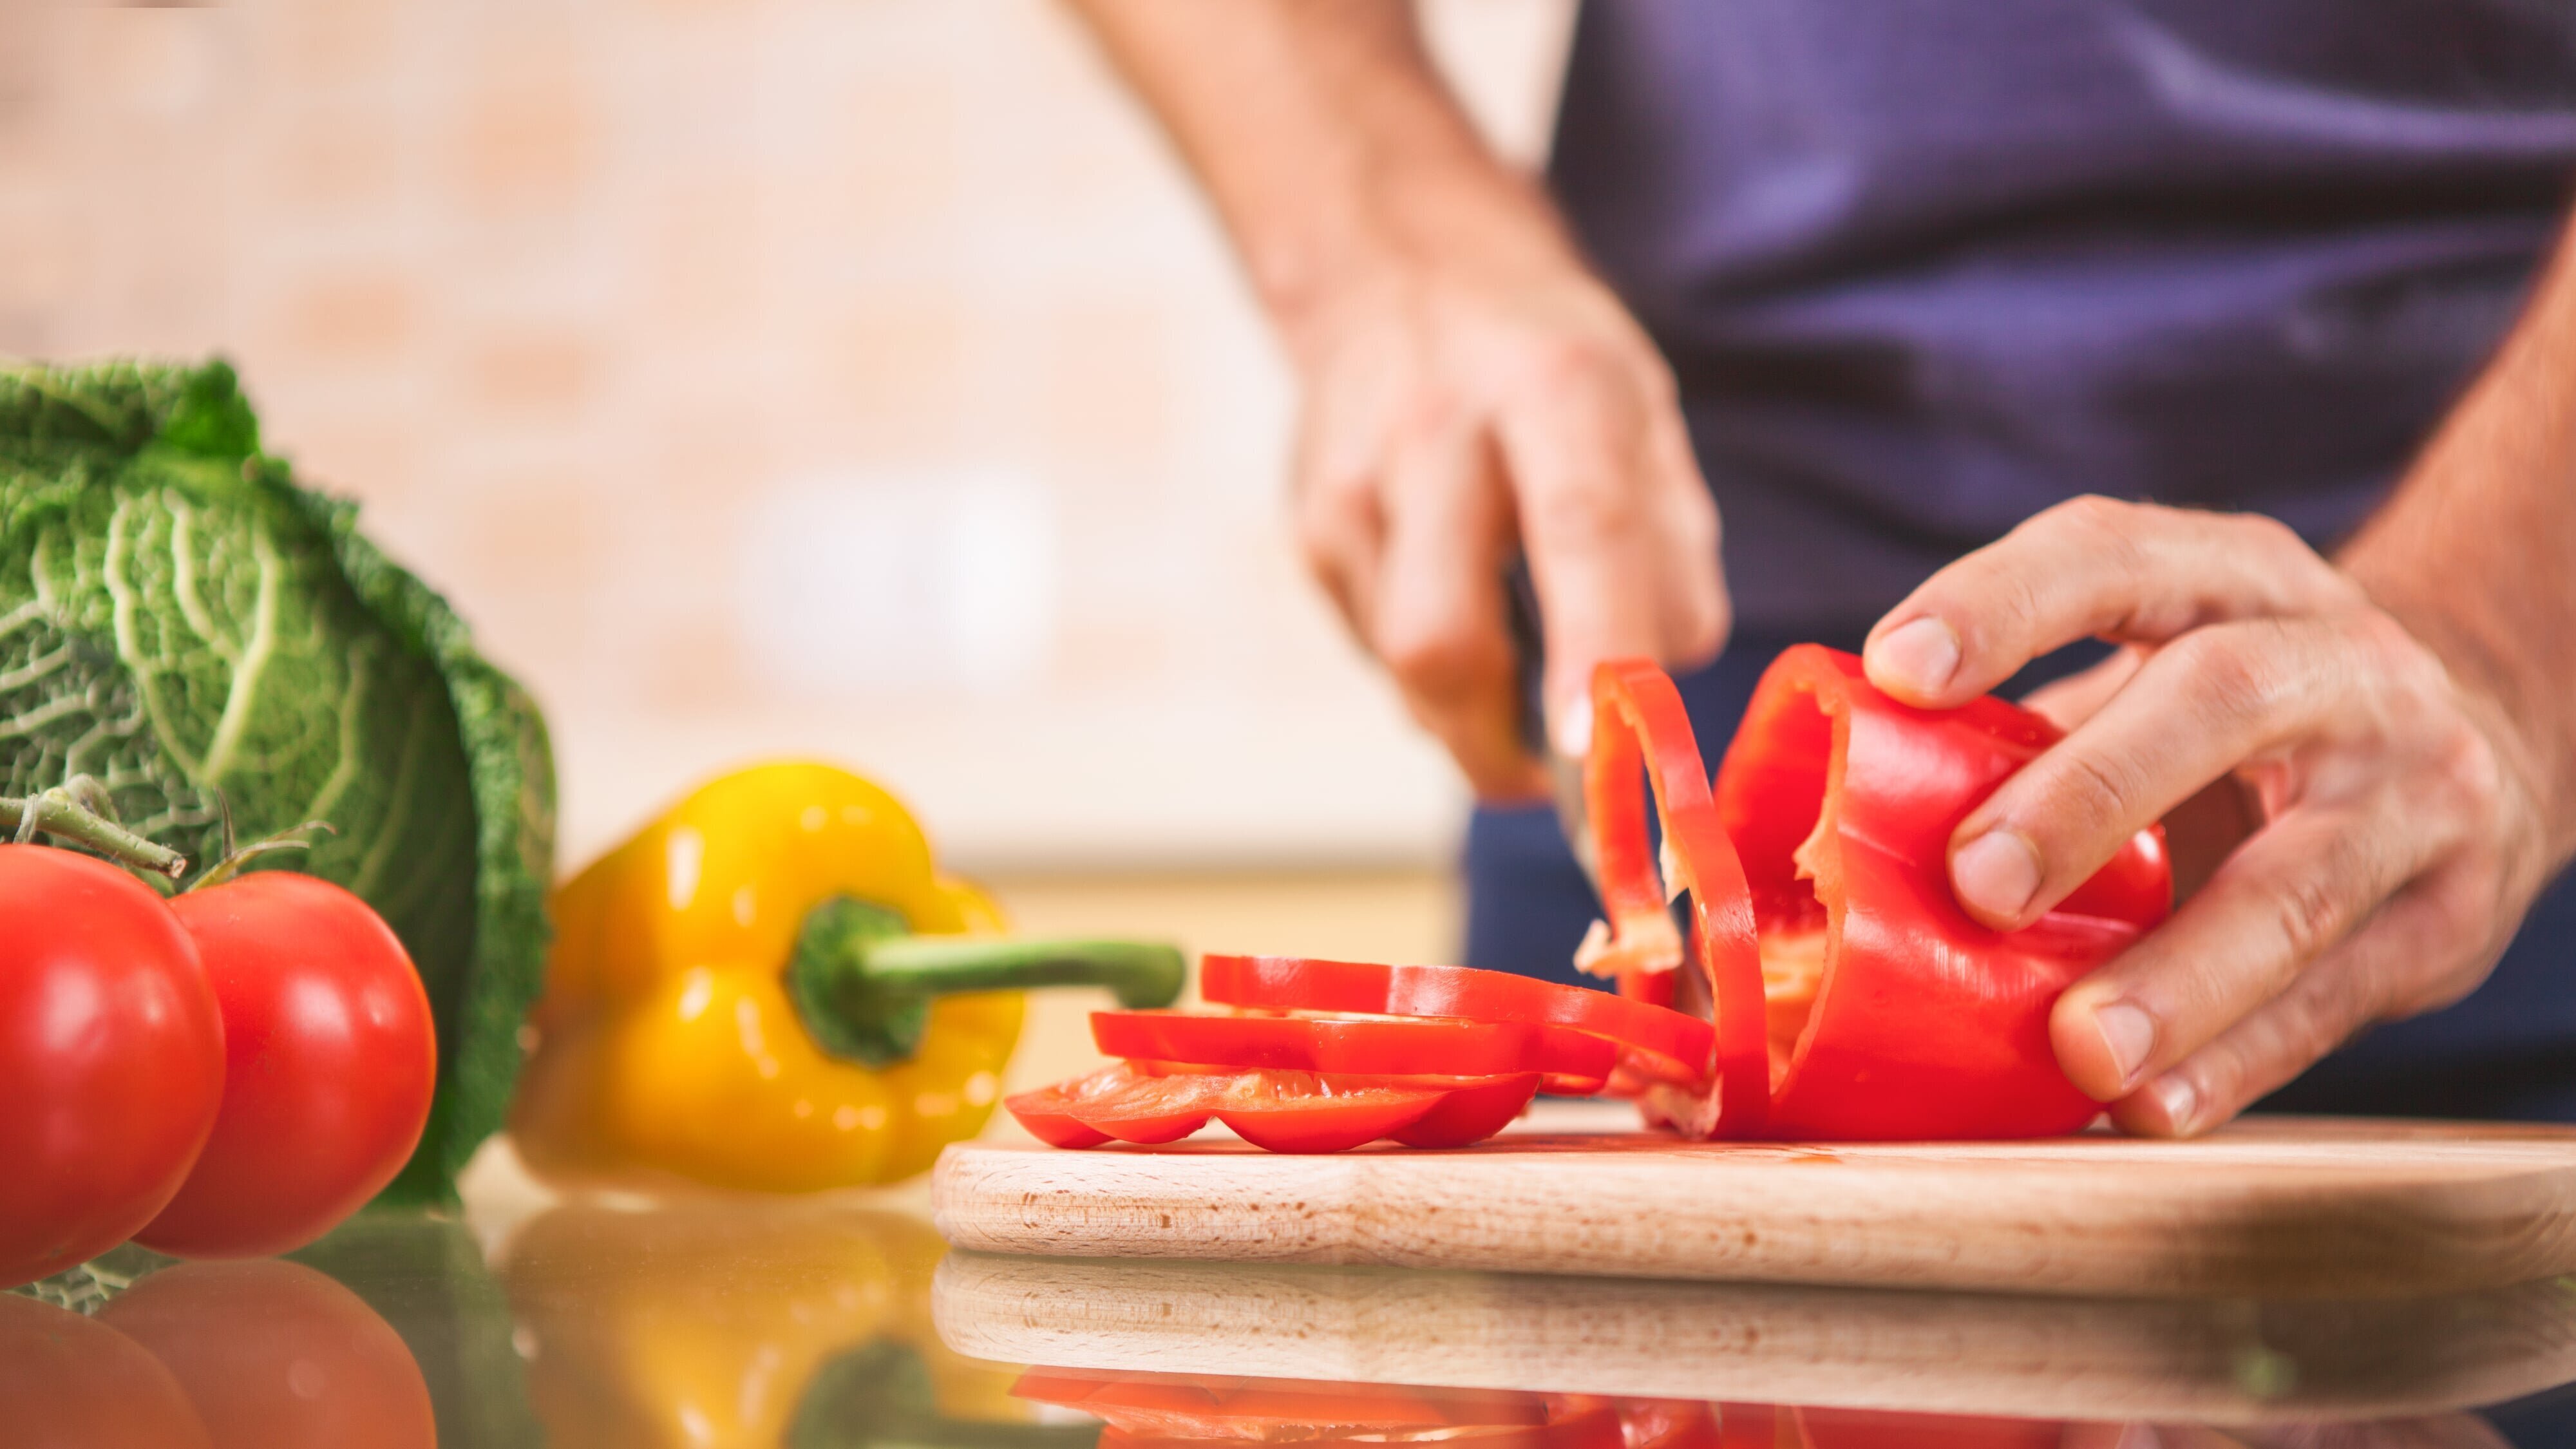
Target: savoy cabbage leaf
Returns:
[182, 621]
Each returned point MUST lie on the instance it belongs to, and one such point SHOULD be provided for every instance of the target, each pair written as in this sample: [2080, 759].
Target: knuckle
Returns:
[1560, 363]
[1435, 663]
[2312, 1023]
[1586, 508]
[1704, 625]
[2103, 528]
[2274, 541]
[2093, 789]
[2094, 513]
[2308, 913]
[1328, 521]
[2232, 671]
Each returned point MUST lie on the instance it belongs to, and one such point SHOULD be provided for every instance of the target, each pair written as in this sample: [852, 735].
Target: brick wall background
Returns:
[847, 377]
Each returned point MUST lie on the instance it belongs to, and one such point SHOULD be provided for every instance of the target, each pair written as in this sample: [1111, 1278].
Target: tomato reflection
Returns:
[68, 1381]
[274, 1355]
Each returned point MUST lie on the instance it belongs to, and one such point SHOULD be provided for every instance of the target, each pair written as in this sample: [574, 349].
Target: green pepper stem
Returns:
[864, 985]
[67, 812]
[880, 1397]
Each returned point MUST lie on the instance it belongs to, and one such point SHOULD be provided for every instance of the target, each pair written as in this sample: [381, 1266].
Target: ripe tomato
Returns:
[275, 1355]
[111, 1058]
[69, 1380]
[331, 1063]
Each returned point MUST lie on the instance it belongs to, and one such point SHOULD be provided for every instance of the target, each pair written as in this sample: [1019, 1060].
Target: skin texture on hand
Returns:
[1471, 392]
[1451, 419]
[2402, 720]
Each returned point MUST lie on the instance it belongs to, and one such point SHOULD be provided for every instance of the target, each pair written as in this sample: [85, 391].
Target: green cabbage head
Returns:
[184, 622]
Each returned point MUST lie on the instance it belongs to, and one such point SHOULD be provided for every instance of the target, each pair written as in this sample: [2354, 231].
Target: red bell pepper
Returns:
[1661, 1042]
[1887, 1011]
[1573, 1061]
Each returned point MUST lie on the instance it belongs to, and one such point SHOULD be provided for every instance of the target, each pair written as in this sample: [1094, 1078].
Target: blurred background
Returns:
[854, 378]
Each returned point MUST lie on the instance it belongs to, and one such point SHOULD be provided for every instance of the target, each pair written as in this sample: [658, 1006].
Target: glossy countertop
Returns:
[622, 1320]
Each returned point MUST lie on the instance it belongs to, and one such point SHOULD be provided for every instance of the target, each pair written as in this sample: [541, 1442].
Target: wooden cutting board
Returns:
[2208, 1361]
[2272, 1207]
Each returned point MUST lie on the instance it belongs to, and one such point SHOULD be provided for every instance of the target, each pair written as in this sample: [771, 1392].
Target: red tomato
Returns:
[332, 1060]
[111, 1058]
[274, 1355]
[66, 1380]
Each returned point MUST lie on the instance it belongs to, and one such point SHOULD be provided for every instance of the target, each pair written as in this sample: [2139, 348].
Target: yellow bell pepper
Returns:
[750, 1324]
[754, 992]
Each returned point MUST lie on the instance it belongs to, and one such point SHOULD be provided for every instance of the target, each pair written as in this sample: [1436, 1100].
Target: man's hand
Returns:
[1452, 416]
[2404, 824]
[1470, 388]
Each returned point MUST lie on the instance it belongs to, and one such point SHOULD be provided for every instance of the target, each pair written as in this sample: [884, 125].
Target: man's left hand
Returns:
[2401, 837]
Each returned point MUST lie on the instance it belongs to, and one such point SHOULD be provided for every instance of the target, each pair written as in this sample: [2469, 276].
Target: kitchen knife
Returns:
[1564, 773]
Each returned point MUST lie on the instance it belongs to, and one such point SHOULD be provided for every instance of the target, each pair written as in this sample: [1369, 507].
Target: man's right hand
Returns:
[1453, 415]
[1471, 389]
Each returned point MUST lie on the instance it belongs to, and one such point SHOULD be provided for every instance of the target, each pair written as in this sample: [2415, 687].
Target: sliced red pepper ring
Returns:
[1144, 1410]
[1400, 1046]
[1465, 1115]
[1114, 1102]
[1639, 725]
[1661, 1042]
[1206, 1406]
[1150, 1104]
[1049, 1117]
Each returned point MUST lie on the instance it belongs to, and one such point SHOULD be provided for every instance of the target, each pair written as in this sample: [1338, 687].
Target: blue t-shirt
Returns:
[1924, 267]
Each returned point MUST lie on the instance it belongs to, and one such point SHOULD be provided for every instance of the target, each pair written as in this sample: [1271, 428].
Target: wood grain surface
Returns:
[2272, 1207]
[2222, 1361]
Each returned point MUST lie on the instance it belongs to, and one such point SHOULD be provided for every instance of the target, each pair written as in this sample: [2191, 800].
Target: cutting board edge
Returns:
[2101, 1236]
[2021, 1355]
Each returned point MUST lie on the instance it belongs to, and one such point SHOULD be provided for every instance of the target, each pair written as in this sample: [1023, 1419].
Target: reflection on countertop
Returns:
[832, 1322]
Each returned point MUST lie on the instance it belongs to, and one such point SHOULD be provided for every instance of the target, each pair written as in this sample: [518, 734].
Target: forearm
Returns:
[1330, 147]
[2476, 552]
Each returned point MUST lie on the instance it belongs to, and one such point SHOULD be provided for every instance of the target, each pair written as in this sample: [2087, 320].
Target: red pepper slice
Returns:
[1836, 805]
[1470, 1114]
[1404, 1046]
[1145, 1410]
[1639, 724]
[1114, 1102]
[1663, 1043]
[1206, 1406]
[1048, 1114]
[1281, 1111]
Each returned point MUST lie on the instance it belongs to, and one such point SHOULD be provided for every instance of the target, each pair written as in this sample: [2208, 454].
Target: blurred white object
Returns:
[867, 585]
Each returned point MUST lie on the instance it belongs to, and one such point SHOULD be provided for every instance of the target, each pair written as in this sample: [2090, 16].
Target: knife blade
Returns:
[1564, 773]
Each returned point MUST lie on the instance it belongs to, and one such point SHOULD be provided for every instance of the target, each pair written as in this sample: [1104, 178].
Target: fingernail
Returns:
[2180, 1101]
[1918, 658]
[1574, 728]
[2129, 1034]
[1997, 873]
[2140, 1436]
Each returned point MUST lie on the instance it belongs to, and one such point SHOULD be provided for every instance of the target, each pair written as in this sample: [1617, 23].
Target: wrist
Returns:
[2489, 686]
[1396, 223]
